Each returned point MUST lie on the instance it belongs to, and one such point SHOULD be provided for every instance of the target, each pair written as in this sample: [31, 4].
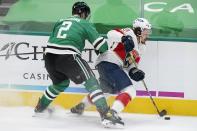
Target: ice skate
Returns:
[78, 109]
[112, 120]
[41, 111]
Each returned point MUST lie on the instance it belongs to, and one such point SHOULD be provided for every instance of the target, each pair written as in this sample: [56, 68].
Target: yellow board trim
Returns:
[138, 105]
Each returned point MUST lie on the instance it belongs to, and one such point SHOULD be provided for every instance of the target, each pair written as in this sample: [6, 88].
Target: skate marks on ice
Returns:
[20, 119]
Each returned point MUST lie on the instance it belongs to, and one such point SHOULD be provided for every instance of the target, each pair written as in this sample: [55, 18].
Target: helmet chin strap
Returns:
[141, 45]
[143, 36]
[139, 39]
[88, 17]
[143, 41]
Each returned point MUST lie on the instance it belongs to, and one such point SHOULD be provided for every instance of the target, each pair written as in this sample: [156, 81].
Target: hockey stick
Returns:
[160, 113]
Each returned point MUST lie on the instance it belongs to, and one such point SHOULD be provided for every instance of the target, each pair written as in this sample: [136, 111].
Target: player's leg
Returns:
[123, 98]
[83, 70]
[120, 83]
[107, 72]
[84, 104]
[50, 94]
[86, 101]
[80, 73]
[60, 82]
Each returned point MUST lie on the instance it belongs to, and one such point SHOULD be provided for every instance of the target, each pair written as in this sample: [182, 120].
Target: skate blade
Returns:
[41, 115]
[77, 113]
[46, 114]
[109, 124]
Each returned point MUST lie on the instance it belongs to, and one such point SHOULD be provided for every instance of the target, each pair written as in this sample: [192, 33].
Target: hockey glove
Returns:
[128, 43]
[136, 74]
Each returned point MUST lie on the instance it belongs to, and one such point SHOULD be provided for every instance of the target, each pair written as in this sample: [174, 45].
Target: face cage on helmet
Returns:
[138, 31]
[149, 31]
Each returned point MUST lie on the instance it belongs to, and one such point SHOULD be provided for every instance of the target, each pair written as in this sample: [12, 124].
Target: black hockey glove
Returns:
[136, 74]
[128, 43]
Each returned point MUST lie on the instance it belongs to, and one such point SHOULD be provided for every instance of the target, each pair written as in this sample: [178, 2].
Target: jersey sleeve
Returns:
[95, 39]
[115, 35]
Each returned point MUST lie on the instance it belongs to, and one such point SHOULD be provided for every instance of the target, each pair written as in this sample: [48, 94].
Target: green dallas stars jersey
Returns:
[69, 35]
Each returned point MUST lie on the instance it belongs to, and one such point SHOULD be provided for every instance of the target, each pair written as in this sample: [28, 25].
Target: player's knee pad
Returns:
[62, 86]
[91, 84]
[54, 90]
[78, 79]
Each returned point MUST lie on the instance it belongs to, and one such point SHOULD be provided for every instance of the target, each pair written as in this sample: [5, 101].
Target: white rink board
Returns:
[169, 66]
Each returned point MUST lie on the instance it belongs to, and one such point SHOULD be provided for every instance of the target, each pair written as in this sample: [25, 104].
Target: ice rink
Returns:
[20, 119]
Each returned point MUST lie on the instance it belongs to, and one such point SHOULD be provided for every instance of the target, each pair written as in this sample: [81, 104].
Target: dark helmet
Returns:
[81, 7]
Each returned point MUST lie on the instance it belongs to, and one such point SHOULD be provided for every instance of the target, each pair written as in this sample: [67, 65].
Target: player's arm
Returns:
[114, 36]
[135, 55]
[96, 40]
[128, 43]
[134, 73]
[118, 36]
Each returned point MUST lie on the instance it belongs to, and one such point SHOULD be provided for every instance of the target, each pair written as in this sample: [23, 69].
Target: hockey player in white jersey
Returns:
[115, 67]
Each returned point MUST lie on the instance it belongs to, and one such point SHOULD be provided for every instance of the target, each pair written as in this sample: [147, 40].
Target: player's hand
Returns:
[136, 74]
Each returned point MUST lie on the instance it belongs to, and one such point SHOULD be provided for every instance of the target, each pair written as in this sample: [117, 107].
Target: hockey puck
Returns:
[167, 118]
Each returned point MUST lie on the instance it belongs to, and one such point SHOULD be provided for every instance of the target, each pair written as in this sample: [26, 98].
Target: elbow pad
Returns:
[128, 43]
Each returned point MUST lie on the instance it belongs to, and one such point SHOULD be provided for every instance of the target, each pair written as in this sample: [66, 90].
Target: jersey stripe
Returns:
[87, 75]
[95, 92]
[61, 47]
[99, 42]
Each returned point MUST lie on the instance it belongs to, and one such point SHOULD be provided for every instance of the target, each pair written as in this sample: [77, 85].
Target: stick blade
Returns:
[163, 113]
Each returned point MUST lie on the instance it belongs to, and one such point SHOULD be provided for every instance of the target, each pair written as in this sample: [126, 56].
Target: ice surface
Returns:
[20, 119]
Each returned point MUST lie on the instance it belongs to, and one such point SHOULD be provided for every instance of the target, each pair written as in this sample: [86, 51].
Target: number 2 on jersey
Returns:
[65, 26]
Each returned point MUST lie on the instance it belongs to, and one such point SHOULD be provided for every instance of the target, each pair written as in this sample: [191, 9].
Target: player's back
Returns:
[69, 33]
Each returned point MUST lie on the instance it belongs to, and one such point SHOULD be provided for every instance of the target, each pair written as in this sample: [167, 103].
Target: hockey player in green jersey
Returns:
[63, 62]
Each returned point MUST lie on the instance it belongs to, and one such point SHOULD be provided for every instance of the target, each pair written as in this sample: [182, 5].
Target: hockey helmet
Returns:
[141, 24]
[81, 7]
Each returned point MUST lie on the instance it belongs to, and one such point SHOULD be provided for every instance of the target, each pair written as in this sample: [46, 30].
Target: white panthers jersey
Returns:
[116, 53]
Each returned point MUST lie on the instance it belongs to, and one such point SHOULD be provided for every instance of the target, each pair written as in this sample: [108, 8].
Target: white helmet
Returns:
[142, 23]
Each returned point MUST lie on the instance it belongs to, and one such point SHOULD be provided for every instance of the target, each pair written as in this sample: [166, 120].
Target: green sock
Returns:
[52, 92]
[96, 95]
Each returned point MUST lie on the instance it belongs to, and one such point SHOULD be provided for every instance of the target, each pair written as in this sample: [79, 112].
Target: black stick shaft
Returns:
[151, 97]
[133, 61]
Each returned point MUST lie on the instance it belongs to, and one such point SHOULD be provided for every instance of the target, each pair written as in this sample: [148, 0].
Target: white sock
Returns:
[118, 106]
